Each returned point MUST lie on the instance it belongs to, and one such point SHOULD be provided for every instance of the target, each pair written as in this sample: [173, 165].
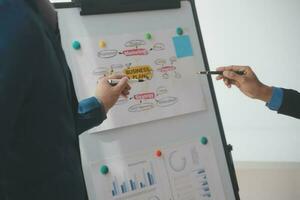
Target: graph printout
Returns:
[180, 173]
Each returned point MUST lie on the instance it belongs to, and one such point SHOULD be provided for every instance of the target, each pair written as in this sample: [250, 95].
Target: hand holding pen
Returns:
[247, 82]
[243, 78]
[107, 94]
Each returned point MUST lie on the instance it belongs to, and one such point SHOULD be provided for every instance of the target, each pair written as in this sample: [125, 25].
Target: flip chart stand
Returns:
[90, 7]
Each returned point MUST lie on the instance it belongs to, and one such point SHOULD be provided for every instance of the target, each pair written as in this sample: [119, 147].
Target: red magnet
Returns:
[158, 153]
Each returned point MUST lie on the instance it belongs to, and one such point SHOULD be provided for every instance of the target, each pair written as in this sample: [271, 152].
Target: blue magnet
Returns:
[104, 170]
[179, 31]
[204, 140]
[76, 45]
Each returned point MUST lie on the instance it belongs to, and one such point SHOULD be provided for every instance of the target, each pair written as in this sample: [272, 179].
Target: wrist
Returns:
[265, 93]
[103, 104]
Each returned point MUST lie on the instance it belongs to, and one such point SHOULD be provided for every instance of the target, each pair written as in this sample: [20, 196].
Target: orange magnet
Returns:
[158, 153]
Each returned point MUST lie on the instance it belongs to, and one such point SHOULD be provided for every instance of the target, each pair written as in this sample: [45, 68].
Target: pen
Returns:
[114, 82]
[218, 72]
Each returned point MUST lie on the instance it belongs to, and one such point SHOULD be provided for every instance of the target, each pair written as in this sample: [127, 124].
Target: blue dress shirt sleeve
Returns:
[276, 100]
[91, 113]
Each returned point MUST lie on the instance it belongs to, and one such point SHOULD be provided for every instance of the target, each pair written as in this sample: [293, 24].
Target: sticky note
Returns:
[183, 46]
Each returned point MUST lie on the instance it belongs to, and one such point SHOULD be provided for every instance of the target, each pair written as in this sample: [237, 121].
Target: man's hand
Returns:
[108, 94]
[247, 83]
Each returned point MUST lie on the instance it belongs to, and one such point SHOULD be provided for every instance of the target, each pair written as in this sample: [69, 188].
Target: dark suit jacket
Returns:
[39, 120]
[290, 104]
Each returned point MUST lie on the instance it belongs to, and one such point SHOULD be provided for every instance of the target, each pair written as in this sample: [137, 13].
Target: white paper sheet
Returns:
[172, 87]
[185, 171]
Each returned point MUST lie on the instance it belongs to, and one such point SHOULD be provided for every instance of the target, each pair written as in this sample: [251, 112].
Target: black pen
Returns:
[219, 72]
[114, 82]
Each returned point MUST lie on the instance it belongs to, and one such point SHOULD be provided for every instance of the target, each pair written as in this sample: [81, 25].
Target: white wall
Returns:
[264, 34]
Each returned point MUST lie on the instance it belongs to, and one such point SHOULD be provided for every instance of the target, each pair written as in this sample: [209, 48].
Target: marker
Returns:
[114, 82]
[219, 72]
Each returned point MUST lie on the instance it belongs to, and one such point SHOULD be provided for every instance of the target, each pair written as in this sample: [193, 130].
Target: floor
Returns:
[268, 181]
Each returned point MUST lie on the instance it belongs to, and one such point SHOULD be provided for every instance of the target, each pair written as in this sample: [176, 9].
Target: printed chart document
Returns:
[186, 171]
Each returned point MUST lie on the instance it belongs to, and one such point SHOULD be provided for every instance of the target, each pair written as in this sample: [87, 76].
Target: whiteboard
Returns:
[187, 169]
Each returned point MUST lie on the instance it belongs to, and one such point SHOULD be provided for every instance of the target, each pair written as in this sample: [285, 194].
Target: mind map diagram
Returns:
[161, 67]
[169, 86]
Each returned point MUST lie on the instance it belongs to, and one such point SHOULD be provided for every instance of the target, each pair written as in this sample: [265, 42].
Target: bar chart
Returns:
[135, 183]
[202, 181]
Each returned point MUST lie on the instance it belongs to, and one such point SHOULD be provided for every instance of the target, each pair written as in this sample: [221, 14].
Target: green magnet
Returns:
[179, 31]
[104, 170]
[204, 140]
[76, 45]
[148, 36]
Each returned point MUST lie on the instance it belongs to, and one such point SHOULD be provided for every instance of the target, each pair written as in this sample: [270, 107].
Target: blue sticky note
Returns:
[183, 46]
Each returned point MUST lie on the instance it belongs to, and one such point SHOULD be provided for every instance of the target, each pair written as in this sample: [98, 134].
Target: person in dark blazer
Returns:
[40, 118]
[284, 101]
